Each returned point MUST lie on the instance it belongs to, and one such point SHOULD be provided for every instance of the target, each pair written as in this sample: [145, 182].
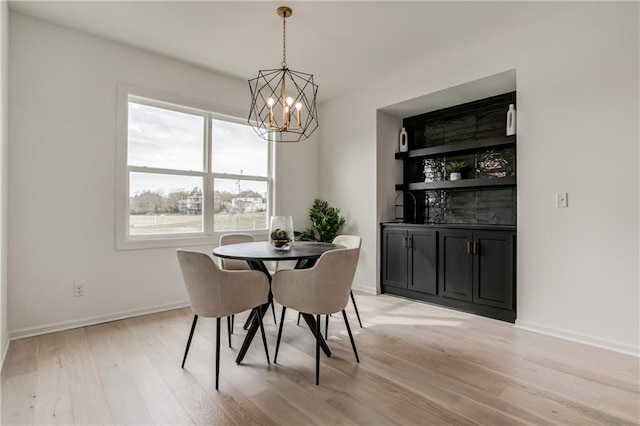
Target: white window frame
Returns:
[124, 241]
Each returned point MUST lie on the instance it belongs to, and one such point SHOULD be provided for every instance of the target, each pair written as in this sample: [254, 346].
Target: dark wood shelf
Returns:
[457, 147]
[464, 183]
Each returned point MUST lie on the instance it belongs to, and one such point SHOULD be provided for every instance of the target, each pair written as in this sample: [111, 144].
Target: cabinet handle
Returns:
[476, 248]
[469, 247]
[409, 242]
[404, 242]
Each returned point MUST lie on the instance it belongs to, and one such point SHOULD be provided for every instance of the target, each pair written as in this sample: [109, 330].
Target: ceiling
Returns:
[344, 44]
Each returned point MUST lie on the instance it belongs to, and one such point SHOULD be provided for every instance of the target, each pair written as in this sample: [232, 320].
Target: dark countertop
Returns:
[486, 226]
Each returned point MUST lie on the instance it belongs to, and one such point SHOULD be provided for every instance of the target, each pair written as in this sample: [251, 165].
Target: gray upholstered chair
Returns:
[216, 293]
[237, 265]
[320, 290]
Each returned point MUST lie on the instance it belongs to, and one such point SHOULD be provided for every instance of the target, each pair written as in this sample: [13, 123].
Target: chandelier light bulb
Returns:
[298, 106]
[270, 102]
[289, 101]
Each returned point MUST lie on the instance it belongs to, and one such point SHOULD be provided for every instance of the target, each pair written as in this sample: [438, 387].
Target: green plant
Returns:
[455, 166]
[325, 220]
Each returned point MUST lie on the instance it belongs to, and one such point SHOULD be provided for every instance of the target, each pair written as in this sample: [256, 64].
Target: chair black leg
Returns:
[353, 343]
[229, 325]
[193, 328]
[326, 326]
[247, 323]
[275, 357]
[353, 300]
[299, 315]
[318, 335]
[273, 310]
[217, 351]
[264, 337]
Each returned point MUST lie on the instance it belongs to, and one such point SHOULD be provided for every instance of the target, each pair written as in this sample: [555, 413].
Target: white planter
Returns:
[455, 176]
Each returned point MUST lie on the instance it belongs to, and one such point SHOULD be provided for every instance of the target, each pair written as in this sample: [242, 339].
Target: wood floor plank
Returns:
[53, 396]
[19, 399]
[21, 357]
[125, 402]
[88, 400]
[158, 397]
[420, 364]
[200, 406]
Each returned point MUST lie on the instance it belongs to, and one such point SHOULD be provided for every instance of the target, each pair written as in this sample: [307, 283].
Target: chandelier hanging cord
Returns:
[285, 12]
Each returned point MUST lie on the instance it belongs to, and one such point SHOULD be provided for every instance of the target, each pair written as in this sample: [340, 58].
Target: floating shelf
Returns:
[457, 147]
[464, 183]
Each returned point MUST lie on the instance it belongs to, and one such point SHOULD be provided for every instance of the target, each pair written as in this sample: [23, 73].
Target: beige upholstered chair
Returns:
[320, 290]
[216, 293]
[349, 241]
[235, 265]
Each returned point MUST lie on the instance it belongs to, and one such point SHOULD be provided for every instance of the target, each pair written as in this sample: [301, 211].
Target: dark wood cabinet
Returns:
[456, 265]
[494, 268]
[477, 266]
[463, 268]
[409, 257]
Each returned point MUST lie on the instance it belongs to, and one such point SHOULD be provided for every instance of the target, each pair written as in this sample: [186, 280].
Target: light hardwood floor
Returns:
[420, 365]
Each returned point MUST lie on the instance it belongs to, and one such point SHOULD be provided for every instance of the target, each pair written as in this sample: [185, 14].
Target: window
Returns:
[186, 174]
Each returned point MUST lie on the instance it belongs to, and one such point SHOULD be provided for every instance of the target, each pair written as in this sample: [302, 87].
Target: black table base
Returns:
[262, 310]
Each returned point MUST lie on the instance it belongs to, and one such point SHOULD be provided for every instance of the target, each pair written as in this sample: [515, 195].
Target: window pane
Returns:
[238, 149]
[164, 204]
[165, 139]
[239, 205]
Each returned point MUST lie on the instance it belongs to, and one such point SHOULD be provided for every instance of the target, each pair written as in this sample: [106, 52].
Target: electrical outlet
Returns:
[78, 290]
[562, 200]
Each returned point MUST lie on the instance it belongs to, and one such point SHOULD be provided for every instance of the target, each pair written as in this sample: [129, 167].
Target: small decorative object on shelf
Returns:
[455, 168]
[511, 120]
[281, 232]
[404, 141]
[405, 207]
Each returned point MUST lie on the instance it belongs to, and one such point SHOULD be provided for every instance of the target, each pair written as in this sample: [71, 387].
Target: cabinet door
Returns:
[394, 258]
[423, 261]
[456, 265]
[493, 266]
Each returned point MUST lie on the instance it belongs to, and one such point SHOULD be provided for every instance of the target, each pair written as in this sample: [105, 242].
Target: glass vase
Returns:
[281, 232]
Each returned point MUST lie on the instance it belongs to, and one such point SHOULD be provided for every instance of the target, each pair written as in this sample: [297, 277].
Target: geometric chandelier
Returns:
[283, 101]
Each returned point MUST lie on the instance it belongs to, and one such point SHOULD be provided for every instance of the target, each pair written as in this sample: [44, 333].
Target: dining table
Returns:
[256, 254]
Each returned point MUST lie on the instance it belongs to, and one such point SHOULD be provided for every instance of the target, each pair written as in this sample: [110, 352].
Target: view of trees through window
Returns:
[171, 188]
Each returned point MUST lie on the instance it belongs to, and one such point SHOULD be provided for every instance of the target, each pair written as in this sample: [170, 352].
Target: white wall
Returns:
[62, 106]
[4, 141]
[578, 121]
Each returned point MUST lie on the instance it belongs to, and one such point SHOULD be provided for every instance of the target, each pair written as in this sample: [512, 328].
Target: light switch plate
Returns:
[562, 200]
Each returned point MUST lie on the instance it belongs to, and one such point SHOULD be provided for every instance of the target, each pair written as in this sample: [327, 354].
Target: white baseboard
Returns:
[4, 354]
[83, 322]
[580, 338]
[363, 289]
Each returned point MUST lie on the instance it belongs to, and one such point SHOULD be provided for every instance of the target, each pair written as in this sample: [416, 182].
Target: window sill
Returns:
[181, 241]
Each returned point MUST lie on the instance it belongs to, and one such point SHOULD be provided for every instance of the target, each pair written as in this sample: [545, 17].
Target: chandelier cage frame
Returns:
[279, 115]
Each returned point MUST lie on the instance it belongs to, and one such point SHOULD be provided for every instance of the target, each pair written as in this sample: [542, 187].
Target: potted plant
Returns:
[325, 220]
[454, 168]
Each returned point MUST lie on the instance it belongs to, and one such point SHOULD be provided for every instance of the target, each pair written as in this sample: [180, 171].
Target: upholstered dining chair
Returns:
[349, 241]
[216, 293]
[320, 290]
[237, 265]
